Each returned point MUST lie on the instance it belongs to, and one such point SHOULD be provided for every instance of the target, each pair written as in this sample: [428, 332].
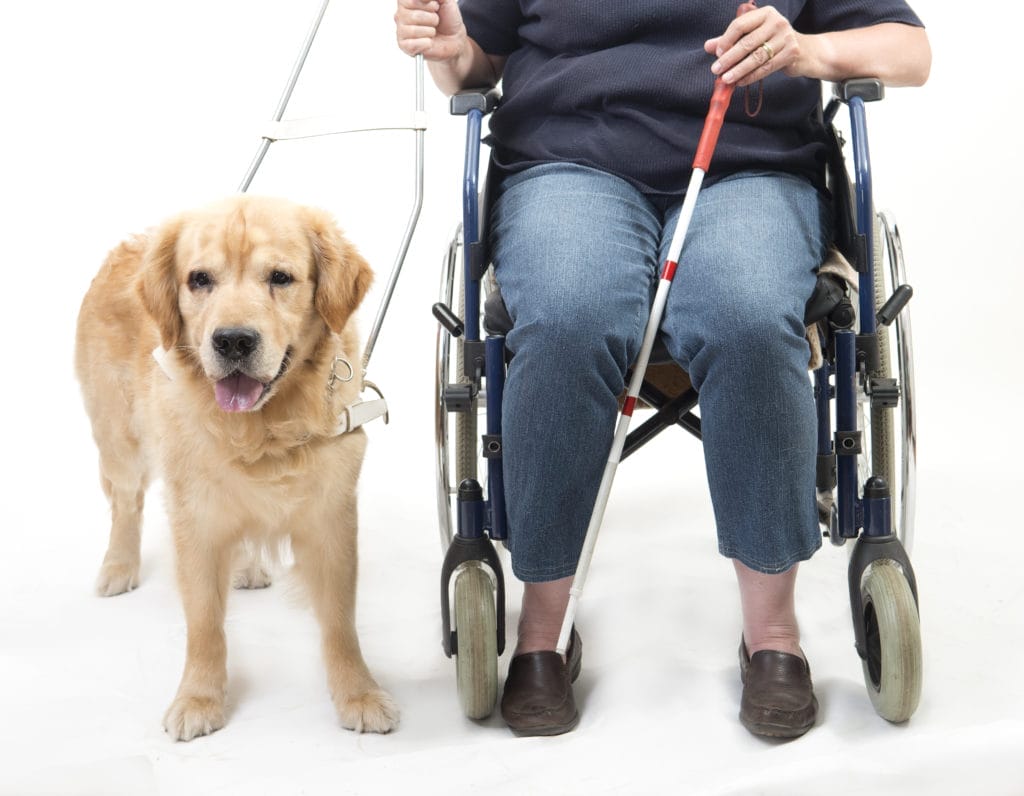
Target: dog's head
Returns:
[250, 286]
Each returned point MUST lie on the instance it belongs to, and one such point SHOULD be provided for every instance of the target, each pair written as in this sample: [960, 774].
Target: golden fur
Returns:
[260, 473]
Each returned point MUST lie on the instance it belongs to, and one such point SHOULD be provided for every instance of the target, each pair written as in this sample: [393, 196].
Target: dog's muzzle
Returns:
[236, 348]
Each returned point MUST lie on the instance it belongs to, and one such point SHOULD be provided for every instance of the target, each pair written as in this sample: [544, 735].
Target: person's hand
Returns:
[431, 28]
[754, 45]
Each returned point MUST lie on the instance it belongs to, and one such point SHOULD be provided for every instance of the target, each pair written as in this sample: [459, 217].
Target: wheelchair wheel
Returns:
[891, 436]
[476, 658]
[466, 456]
[905, 463]
[457, 452]
[881, 425]
[892, 630]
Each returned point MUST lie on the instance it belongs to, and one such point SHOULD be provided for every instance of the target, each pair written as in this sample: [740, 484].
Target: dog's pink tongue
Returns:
[237, 393]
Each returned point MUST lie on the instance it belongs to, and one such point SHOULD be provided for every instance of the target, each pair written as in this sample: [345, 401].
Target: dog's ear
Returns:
[158, 283]
[342, 275]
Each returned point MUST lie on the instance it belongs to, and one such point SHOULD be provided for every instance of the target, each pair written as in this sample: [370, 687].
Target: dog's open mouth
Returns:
[239, 392]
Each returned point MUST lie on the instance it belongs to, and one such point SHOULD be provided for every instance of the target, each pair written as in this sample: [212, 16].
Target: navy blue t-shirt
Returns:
[623, 86]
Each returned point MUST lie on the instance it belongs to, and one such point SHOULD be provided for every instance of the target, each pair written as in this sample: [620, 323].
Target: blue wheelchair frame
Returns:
[862, 515]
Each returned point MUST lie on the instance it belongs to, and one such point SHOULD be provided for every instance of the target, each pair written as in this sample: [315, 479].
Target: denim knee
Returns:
[576, 345]
[752, 337]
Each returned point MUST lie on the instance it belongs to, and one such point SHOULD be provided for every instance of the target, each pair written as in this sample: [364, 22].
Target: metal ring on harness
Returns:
[334, 377]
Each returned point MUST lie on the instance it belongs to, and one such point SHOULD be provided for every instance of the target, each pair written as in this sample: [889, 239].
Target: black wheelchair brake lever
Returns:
[448, 319]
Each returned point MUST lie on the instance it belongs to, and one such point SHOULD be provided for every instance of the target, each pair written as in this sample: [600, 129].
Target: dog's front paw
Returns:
[117, 577]
[189, 717]
[371, 711]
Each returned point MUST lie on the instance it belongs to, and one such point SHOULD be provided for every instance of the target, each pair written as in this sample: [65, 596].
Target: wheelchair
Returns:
[864, 394]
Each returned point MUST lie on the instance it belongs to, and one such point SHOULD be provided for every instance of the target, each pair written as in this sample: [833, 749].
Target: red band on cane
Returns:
[628, 405]
[669, 270]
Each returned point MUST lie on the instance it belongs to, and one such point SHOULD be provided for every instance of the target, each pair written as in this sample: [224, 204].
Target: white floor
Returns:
[86, 679]
[119, 130]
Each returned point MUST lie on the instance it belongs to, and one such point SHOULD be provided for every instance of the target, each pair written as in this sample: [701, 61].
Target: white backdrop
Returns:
[118, 114]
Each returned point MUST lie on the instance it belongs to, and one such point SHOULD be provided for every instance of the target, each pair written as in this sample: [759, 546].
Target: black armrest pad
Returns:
[868, 89]
[483, 100]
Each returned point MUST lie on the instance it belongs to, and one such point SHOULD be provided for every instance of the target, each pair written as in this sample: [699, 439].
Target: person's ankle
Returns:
[536, 637]
[776, 642]
[541, 616]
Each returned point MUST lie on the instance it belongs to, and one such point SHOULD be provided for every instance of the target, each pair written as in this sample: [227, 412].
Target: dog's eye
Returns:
[280, 278]
[199, 279]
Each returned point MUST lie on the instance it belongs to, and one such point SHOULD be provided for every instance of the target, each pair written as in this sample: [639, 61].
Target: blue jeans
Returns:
[577, 254]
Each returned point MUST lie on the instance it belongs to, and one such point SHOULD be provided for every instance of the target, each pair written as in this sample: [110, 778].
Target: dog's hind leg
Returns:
[250, 570]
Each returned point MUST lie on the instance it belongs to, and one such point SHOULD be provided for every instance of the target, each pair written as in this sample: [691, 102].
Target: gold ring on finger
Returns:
[768, 50]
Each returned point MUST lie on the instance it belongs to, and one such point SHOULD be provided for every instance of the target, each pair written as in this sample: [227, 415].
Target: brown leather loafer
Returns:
[778, 698]
[538, 698]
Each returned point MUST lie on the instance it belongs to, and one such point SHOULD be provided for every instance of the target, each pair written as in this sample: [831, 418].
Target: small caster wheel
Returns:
[892, 631]
[476, 656]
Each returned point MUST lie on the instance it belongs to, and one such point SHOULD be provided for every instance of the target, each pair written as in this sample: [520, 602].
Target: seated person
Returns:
[603, 105]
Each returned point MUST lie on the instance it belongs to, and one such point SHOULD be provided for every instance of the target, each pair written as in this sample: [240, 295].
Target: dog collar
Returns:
[351, 417]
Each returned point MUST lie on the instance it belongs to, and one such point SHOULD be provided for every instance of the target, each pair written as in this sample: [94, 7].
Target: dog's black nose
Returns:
[235, 343]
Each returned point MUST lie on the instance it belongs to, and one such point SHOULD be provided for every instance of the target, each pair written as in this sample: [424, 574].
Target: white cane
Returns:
[705, 148]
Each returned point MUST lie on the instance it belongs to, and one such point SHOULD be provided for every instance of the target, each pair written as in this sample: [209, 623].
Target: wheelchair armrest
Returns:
[483, 100]
[868, 89]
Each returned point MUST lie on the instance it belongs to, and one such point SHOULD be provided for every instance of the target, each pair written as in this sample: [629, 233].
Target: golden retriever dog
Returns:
[249, 304]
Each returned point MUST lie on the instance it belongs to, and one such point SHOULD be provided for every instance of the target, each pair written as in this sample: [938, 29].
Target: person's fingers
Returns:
[760, 63]
[412, 45]
[741, 26]
[753, 46]
[416, 24]
[420, 5]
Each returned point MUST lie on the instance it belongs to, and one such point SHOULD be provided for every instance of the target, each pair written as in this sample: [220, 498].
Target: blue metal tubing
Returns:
[494, 347]
[471, 222]
[823, 404]
[877, 516]
[865, 211]
[846, 420]
[470, 519]
[494, 367]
